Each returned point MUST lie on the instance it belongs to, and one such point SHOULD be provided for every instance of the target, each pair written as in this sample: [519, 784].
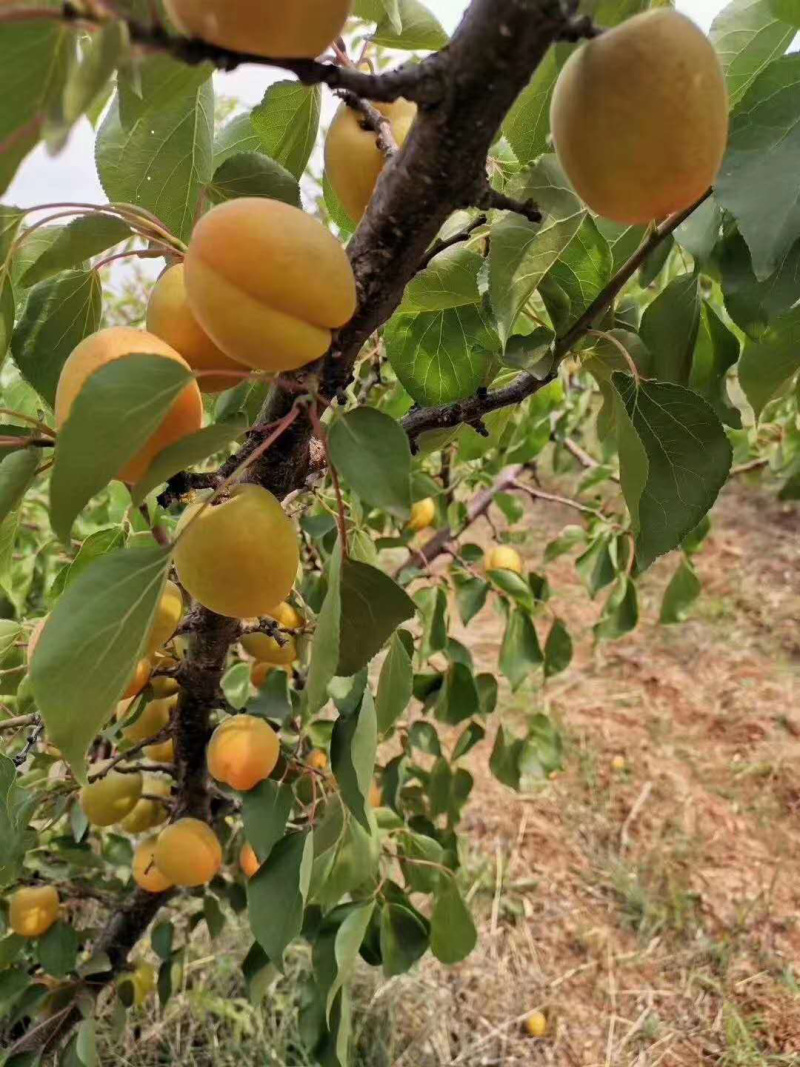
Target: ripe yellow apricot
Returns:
[248, 860]
[168, 616]
[259, 673]
[32, 911]
[423, 512]
[140, 679]
[242, 752]
[353, 161]
[153, 718]
[375, 795]
[33, 640]
[318, 759]
[268, 283]
[162, 684]
[536, 1024]
[146, 873]
[149, 813]
[109, 799]
[300, 29]
[503, 558]
[640, 117]
[163, 752]
[188, 852]
[240, 557]
[266, 649]
[287, 616]
[170, 318]
[185, 417]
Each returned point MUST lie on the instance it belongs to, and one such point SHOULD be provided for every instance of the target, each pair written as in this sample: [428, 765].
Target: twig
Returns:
[374, 121]
[490, 199]
[30, 744]
[568, 502]
[582, 457]
[633, 814]
[7, 726]
[322, 436]
[456, 239]
[752, 465]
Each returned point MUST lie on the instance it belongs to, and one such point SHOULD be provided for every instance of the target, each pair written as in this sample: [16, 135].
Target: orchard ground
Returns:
[649, 911]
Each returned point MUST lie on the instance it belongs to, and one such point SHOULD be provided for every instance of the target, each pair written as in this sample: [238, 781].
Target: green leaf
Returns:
[276, 894]
[286, 124]
[683, 589]
[235, 137]
[17, 472]
[374, 11]
[634, 466]
[543, 749]
[504, 762]
[97, 544]
[689, 460]
[10, 220]
[458, 698]
[453, 933]
[557, 649]
[717, 350]
[187, 453]
[756, 180]
[94, 634]
[102, 53]
[450, 280]
[522, 252]
[76, 243]
[326, 648]
[116, 412]
[754, 304]
[371, 452]
[394, 685]
[404, 939]
[578, 276]
[58, 315]
[253, 174]
[34, 59]
[441, 356]
[7, 313]
[421, 30]
[669, 330]
[520, 652]
[768, 364]
[700, 233]
[471, 595]
[786, 10]
[354, 743]
[748, 37]
[86, 1043]
[346, 944]
[235, 685]
[274, 700]
[622, 240]
[373, 606]
[212, 913]
[423, 735]
[155, 148]
[161, 940]
[620, 612]
[527, 125]
[472, 735]
[57, 950]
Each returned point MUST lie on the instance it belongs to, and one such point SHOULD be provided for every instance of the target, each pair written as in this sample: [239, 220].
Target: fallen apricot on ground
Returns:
[167, 618]
[242, 752]
[300, 29]
[536, 1024]
[170, 318]
[32, 911]
[640, 117]
[268, 649]
[423, 512]
[185, 417]
[239, 558]
[188, 852]
[618, 763]
[353, 161]
[146, 873]
[503, 558]
[149, 813]
[268, 283]
[248, 860]
[107, 800]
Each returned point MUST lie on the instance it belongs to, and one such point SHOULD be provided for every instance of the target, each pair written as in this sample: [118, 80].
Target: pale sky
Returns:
[72, 176]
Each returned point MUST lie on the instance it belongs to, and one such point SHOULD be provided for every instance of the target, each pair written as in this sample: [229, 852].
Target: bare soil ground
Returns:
[650, 911]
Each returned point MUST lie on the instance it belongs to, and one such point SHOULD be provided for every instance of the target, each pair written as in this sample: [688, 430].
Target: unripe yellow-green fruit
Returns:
[268, 283]
[188, 852]
[143, 981]
[242, 752]
[353, 161]
[152, 719]
[238, 558]
[32, 911]
[248, 860]
[146, 873]
[140, 678]
[168, 616]
[536, 1024]
[640, 117]
[266, 649]
[423, 512]
[170, 318]
[149, 813]
[297, 29]
[185, 417]
[163, 752]
[109, 799]
[503, 558]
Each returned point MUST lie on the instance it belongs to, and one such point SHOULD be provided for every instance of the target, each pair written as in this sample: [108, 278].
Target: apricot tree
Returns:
[230, 681]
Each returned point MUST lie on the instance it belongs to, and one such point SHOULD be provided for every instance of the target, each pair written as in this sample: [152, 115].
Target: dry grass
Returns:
[651, 911]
